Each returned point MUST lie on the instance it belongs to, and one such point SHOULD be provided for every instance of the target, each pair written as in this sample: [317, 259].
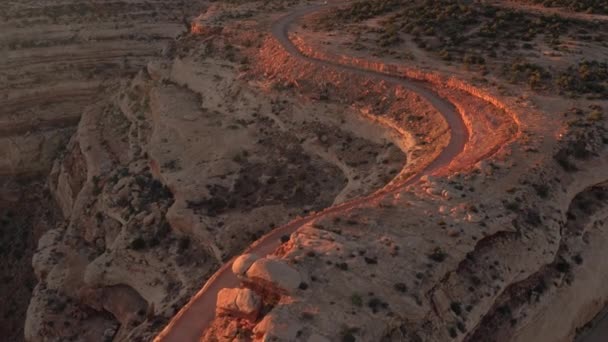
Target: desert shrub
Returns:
[342, 265]
[532, 217]
[376, 304]
[504, 310]
[401, 287]
[96, 185]
[184, 243]
[438, 255]
[348, 334]
[456, 308]
[356, 300]
[137, 244]
[390, 36]
[512, 205]
[562, 266]
[533, 74]
[445, 55]
[542, 190]
[473, 59]
[595, 116]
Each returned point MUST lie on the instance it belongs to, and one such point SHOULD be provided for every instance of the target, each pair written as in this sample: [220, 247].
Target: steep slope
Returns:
[56, 58]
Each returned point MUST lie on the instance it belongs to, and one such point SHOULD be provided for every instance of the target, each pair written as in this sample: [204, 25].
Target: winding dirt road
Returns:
[192, 320]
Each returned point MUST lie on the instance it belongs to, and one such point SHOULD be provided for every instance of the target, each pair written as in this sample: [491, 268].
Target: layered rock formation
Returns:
[59, 57]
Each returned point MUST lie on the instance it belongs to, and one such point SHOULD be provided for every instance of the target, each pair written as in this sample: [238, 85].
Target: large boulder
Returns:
[276, 272]
[238, 302]
[242, 263]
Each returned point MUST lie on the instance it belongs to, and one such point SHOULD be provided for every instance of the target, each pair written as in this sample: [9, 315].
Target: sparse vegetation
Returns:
[562, 266]
[438, 255]
[96, 185]
[456, 308]
[137, 244]
[342, 265]
[589, 6]
[453, 29]
[375, 304]
[356, 300]
[348, 334]
[587, 77]
[542, 190]
[472, 33]
[532, 74]
[400, 287]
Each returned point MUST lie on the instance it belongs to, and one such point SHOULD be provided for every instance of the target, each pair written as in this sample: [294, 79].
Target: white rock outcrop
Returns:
[275, 272]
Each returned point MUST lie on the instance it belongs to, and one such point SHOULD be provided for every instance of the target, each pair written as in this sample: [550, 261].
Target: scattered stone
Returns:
[453, 232]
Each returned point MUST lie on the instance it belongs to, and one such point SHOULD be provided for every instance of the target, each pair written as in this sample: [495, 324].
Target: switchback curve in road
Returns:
[192, 320]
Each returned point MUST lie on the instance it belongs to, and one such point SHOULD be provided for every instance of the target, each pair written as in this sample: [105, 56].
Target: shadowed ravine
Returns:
[193, 319]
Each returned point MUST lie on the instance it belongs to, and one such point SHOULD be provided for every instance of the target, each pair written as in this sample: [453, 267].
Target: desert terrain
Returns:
[304, 171]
